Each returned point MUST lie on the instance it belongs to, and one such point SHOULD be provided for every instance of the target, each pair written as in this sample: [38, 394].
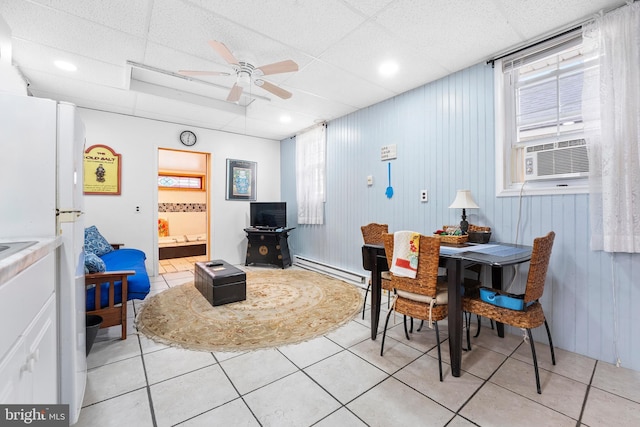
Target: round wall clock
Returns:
[188, 138]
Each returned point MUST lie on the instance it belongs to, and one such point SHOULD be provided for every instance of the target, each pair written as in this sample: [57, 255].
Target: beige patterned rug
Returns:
[282, 307]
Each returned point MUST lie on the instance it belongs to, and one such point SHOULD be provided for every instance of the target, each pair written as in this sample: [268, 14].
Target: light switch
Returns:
[370, 180]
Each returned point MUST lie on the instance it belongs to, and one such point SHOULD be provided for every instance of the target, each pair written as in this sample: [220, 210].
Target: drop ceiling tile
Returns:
[531, 22]
[448, 31]
[123, 15]
[272, 113]
[260, 128]
[187, 28]
[30, 56]
[65, 32]
[378, 45]
[44, 2]
[312, 105]
[335, 84]
[310, 26]
[368, 7]
[161, 56]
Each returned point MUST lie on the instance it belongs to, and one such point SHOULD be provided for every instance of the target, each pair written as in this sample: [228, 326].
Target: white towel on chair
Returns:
[406, 247]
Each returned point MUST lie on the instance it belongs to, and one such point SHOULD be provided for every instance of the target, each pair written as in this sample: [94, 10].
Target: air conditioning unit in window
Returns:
[556, 160]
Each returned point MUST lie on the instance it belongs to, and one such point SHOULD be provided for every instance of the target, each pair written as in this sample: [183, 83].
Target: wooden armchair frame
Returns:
[113, 314]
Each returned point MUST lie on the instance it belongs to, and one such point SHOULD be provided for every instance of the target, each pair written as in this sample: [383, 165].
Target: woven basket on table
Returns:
[479, 234]
[450, 238]
[478, 228]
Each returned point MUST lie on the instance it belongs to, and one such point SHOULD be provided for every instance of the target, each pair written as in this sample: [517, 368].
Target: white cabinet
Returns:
[11, 375]
[28, 346]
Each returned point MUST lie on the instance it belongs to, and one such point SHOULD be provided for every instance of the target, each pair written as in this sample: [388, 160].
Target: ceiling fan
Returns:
[246, 73]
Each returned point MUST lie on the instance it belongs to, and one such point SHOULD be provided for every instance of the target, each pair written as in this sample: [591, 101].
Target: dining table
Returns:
[456, 258]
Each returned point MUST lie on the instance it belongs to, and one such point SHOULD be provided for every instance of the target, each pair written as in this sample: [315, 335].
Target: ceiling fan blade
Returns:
[277, 91]
[223, 51]
[202, 73]
[234, 95]
[278, 67]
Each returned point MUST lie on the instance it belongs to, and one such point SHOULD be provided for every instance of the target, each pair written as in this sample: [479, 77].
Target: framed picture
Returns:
[241, 180]
[102, 171]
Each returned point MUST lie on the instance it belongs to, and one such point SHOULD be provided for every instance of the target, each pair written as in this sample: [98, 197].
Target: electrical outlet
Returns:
[137, 209]
[423, 196]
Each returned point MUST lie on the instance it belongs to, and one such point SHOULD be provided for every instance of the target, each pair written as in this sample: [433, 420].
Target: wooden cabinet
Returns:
[268, 247]
[28, 349]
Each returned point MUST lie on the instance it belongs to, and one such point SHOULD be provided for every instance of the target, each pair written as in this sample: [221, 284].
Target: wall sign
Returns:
[101, 171]
[388, 152]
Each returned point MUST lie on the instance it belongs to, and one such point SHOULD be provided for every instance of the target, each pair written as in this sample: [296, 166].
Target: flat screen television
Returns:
[268, 214]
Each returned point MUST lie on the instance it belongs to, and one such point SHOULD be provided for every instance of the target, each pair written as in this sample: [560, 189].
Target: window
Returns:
[539, 129]
[311, 159]
[180, 182]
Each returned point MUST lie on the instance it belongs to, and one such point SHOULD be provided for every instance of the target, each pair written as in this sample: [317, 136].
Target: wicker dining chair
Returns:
[424, 297]
[532, 316]
[372, 235]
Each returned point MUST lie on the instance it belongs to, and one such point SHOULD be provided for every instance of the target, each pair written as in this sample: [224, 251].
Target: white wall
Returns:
[138, 140]
[10, 79]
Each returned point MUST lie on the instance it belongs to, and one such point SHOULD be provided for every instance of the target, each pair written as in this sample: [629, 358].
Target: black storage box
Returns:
[220, 282]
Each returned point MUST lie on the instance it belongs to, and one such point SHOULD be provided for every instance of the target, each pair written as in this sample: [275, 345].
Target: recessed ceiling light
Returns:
[64, 65]
[388, 68]
[285, 119]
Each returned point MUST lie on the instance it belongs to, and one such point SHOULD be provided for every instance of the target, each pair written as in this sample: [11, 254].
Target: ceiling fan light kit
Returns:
[246, 73]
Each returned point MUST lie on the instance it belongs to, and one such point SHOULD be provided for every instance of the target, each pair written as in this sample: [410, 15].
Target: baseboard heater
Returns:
[338, 273]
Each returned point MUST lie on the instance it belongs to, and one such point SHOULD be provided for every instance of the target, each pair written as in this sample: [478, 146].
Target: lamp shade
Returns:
[464, 200]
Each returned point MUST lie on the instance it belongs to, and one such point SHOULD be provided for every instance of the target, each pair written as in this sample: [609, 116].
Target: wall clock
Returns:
[188, 138]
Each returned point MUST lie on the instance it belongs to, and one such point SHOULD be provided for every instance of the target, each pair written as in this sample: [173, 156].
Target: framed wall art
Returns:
[241, 180]
[102, 168]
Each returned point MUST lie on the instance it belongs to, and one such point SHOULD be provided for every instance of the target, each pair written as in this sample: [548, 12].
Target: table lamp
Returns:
[464, 201]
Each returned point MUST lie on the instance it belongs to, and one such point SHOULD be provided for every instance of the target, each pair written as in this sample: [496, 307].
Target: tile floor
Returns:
[174, 265]
[341, 380]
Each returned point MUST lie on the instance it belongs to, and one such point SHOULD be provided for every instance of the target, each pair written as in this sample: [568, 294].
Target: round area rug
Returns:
[282, 307]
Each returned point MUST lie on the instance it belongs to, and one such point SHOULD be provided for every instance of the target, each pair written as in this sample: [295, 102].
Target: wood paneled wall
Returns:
[444, 133]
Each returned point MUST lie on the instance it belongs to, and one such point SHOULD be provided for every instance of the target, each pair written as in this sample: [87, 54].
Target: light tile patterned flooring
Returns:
[340, 379]
[175, 265]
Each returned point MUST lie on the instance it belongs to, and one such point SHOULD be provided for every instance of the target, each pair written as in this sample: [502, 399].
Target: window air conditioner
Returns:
[556, 160]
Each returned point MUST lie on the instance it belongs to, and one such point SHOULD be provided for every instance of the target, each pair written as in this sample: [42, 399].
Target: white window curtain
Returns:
[611, 111]
[311, 149]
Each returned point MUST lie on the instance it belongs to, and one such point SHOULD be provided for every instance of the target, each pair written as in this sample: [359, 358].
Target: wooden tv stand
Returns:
[268, 246]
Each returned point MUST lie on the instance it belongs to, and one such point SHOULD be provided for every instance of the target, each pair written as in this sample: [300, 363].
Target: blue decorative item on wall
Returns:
[389, 190]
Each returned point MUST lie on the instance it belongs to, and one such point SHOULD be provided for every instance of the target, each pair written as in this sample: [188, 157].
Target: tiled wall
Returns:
[182, 207]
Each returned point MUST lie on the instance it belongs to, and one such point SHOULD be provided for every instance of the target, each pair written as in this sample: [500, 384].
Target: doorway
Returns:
[183, 209]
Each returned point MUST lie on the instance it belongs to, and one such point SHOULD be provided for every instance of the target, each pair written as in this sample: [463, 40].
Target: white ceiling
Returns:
[338, 45]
